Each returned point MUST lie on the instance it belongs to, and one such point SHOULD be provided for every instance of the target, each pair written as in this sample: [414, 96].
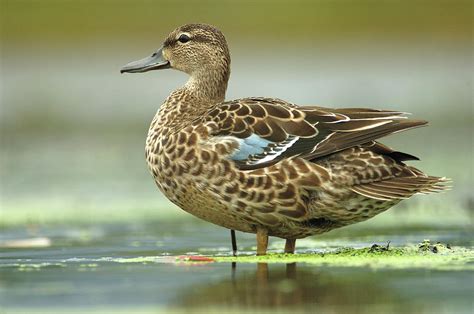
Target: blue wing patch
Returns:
[252, 145]
[256, 150]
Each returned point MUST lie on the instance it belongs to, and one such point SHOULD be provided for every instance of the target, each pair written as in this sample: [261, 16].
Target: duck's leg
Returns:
[262, 241]
[234, 242]
[290, 246]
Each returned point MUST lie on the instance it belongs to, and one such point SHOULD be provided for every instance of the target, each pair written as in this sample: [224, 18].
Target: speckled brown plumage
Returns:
[266, 166]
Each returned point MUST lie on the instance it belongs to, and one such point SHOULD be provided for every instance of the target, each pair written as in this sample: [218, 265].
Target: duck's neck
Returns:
[208, 86]
[201, 92]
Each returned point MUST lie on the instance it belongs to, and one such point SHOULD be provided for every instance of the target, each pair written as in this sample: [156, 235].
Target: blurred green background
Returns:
[73, 129]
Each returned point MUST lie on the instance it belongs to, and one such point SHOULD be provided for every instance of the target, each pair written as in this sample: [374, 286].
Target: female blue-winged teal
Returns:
[263, 165]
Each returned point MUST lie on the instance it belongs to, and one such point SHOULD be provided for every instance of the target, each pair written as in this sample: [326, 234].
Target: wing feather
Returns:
[308, 132]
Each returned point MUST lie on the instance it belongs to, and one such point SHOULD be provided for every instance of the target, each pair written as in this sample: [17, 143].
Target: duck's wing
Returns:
[268, 130]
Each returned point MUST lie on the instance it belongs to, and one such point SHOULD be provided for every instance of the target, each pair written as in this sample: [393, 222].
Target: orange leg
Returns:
[262, 241]
[290, 246]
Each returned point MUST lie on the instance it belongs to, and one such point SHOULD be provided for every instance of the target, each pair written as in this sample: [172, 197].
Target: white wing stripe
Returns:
[275, 153]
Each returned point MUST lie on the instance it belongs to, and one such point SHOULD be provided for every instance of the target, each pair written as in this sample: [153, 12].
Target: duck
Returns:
[264, 165]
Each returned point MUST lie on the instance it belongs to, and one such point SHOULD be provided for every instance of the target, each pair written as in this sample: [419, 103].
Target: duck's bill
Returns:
[153, 62]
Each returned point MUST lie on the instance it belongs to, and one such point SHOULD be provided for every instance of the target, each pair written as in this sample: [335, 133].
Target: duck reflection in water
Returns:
[291, 286]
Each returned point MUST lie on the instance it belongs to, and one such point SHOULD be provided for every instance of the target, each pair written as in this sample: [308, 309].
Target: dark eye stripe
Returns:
[184, 38]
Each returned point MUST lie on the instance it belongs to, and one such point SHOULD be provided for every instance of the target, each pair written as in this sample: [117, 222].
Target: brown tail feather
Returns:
[402, 188]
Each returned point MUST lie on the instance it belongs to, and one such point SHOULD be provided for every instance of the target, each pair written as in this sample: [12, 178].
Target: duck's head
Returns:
[195, 49]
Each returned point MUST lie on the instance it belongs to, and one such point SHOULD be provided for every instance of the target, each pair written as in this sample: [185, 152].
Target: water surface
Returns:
[85, 269]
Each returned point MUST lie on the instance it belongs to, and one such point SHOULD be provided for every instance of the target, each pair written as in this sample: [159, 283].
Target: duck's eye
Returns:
[184, 38]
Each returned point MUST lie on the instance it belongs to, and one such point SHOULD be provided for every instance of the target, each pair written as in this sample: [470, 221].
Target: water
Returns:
[86, 268]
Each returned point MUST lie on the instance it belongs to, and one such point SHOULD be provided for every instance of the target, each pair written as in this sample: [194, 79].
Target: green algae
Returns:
[456, 258]
[425, 255]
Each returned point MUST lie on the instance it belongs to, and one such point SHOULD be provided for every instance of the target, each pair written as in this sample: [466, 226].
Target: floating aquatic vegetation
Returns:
[426, 255]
